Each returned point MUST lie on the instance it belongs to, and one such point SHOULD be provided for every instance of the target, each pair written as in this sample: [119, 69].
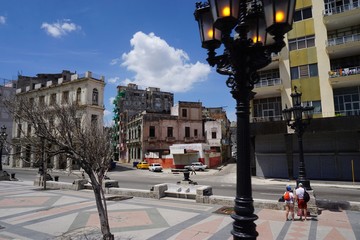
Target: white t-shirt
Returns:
[300, 193]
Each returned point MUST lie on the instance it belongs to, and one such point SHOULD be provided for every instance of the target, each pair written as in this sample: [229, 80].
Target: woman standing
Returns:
[289, 203]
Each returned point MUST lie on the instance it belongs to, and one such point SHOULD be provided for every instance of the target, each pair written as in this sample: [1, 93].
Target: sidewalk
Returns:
[29, 213]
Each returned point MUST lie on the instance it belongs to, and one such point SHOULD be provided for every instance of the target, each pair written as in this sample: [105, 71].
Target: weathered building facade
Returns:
[130, 101]
[83, 89]
[150, 135]
[217, 131]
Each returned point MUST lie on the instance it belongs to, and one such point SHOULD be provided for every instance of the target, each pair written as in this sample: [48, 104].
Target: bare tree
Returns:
[67, 130]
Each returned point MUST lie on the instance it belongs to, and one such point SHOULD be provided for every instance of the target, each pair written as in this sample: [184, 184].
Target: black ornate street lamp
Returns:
[250, 32]
[298, 117]
[3, 136]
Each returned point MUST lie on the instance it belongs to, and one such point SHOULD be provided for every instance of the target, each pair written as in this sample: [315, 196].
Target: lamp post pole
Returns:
[3, 136]
[295, 120]
[247, 50]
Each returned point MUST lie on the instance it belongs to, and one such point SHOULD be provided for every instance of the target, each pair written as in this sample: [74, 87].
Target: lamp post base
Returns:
[305, 183]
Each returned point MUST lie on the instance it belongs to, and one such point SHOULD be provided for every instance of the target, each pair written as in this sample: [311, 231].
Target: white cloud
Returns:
[111, 100]
[2, 20]
[114, 61]
[107, 113]
[156, 64]
[114, 80]
[60, 28]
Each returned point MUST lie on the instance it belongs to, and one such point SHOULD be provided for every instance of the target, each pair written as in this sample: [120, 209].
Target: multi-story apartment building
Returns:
[83, 89]
[150, 135]
[322, 58]
[130, 101]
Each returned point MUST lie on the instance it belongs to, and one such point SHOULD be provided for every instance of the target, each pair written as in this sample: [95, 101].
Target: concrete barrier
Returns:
[203, 194]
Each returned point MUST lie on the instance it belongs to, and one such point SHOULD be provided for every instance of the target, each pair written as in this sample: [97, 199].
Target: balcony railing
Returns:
[268, 82]
[344, 72]
[343, 40]
[354, 112]
[340, 9]
[267, 119]
[188, 139]
[170, 139]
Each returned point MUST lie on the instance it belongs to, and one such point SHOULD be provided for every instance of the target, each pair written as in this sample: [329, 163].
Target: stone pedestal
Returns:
[311, 205]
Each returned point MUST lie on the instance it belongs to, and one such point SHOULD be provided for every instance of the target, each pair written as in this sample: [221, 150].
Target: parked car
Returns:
[198, 166]
[155, 167]
[142, 165]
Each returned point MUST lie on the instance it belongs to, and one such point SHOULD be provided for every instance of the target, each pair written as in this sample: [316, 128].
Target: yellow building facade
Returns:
[322, 59]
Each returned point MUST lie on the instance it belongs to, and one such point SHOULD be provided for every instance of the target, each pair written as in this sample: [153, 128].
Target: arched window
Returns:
[78, 96]
[95, 97]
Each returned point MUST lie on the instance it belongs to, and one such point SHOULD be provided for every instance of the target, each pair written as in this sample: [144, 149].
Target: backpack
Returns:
[287, 196]
[306, 196]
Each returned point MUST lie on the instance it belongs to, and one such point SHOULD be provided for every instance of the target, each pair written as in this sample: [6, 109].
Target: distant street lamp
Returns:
[298, 117]
[3, 136]
[259, 28]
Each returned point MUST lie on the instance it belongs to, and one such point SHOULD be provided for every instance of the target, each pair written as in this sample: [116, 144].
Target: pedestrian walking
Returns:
[193, 170]
[289, 203]
[302, 205]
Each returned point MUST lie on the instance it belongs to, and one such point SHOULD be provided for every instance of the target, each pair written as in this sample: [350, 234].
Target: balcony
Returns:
[268, 87]
[354, 112]
[188, 139]
[274, 62]
[342, 16]
[345, 77]
[267, 119]
[343, 46]
[170, 139]
[341, 9]
[152, 139]
[343, 40]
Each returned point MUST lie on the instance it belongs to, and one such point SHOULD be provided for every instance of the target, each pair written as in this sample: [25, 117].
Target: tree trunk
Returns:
[103, 217]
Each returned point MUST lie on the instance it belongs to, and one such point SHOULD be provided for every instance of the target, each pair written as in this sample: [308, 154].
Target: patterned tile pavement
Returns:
[29, 213]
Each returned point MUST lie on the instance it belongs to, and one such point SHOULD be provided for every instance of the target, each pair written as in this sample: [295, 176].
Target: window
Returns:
[347, 101]
[315, 104]
[184, 112]
[170, 132]
[65, 97]
[213, 135]
[294, 71]
[42, 100]
[94, 120]
[152, 131]
[95, 97]
[29, 130]
[53, 99]
[195, 132]
[313, 70]
[78, 96]
[19, 129]
[187, 132]
[267, 109]
[304, 71]
[302, 14]
[303, 42]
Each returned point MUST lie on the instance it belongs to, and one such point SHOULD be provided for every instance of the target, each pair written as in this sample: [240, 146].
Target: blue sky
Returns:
[151, 43]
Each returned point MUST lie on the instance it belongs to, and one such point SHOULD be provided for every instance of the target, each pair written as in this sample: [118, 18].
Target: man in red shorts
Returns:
[299, 195]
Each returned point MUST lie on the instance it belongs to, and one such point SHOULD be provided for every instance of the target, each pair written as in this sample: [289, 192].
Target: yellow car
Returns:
[142, 165]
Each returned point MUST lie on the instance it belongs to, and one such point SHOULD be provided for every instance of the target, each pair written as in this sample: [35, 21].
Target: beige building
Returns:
[83, 89]
[321, 58]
